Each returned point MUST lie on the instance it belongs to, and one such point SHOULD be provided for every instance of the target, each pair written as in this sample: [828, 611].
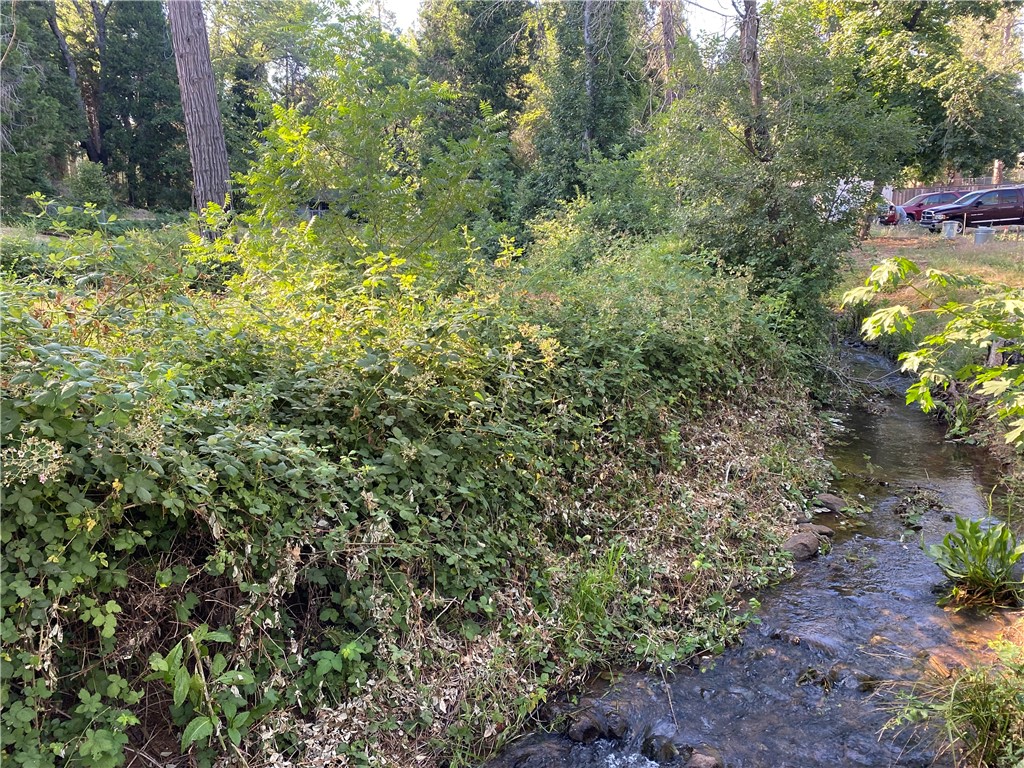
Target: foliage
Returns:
[586, 98]
[88, 184]
[263, 52]
[367, 165]
[785, 213]
[325, 493]
[980, 561]
[981, 709]
[143, 135]
[37, 119]
[990, 316]
[481, 49]
[925, 58]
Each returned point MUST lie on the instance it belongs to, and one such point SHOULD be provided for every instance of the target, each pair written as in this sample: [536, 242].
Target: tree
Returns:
[481, 47]
[141, 121]
[923, 57]
[758, 148]
[38, 119]
[589, 94]
[985, 331]
[81, 35]
[206, 146]
[262, 51]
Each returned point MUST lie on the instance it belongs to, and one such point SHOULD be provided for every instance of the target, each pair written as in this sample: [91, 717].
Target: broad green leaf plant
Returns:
[991, 316]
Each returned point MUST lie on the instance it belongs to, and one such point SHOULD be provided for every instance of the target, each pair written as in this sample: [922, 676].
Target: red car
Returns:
[916, 205]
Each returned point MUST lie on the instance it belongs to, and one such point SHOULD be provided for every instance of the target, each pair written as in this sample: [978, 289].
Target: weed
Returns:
[979, 561]
[981, 709]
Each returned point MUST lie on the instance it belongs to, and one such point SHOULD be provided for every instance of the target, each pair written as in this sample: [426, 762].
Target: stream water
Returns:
[801, 689]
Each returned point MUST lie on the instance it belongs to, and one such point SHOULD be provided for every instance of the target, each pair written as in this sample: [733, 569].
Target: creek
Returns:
[812, 684]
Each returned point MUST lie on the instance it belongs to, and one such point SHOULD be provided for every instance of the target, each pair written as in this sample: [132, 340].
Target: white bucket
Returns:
[949, 229]
[984, 235]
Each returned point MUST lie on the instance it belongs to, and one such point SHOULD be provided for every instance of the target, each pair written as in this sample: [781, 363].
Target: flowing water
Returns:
[802, 688]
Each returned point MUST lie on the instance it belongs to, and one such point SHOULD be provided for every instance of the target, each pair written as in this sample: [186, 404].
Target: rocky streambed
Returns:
[814, 682]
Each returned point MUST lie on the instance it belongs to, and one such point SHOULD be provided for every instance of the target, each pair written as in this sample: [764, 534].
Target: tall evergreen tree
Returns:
[81, 34]
[203, 128]
[591, 83]
[38, 121]
[480, 46]
[141, 121]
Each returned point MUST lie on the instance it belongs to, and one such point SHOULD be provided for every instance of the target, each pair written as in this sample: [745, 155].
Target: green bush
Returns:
[88, 183]
[351, 470]
[328, 466]
[980, 561]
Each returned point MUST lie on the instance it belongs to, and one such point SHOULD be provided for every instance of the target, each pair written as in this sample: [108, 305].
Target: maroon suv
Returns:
[1004, 205]
[916, 205]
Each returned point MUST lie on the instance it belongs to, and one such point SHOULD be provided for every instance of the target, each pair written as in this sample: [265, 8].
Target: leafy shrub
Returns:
[980, 562]
[342, 471]
[299, 462]
[87, 183]
[957, 351]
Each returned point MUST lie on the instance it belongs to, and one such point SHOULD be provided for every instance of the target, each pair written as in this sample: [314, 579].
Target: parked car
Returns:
[916, 205]
[984, 207]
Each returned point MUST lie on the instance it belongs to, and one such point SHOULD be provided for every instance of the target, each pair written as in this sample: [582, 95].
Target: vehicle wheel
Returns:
[959, 227]
[910, 216]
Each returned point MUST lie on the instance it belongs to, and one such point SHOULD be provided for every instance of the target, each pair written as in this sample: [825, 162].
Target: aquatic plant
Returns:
[979, 561]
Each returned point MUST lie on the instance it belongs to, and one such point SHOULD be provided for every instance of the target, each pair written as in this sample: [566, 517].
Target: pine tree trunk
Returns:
[203, 129]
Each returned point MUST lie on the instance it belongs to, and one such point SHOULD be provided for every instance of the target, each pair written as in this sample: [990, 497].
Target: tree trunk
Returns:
[756, 131]
[590, 63]
[99, 16]
[94, 141]
[668, 44]
[997, 172]
[203, 129]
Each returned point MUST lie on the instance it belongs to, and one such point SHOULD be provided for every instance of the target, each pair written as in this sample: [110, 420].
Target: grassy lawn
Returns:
[1001, 261]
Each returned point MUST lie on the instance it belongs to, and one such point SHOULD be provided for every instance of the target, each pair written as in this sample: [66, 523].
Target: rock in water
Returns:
[818, 530]
[830, 501]
[803, 545]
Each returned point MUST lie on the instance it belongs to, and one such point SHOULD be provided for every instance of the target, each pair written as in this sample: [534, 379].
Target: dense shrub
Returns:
[87, 183]
[229, 505]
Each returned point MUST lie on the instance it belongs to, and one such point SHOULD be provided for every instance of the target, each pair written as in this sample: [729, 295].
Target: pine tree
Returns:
[482, 47]
[38, 121]
[591, 76]
[206, 146]
[142, 116]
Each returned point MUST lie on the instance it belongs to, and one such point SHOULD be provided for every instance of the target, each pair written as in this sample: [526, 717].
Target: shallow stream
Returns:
[802, 687]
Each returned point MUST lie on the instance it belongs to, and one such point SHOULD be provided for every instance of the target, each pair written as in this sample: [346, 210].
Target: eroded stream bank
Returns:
[802, 688]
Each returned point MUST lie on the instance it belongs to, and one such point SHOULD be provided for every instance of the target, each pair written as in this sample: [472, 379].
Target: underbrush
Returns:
[288, 517]
[980, 709]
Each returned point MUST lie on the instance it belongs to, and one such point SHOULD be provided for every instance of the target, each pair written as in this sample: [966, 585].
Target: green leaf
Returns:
[182, 680]
[200, 728]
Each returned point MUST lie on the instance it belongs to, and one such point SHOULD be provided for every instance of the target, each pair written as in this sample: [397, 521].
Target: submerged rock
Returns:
[595, 720]
[659, 749]
[704, 759]
[803, 545]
